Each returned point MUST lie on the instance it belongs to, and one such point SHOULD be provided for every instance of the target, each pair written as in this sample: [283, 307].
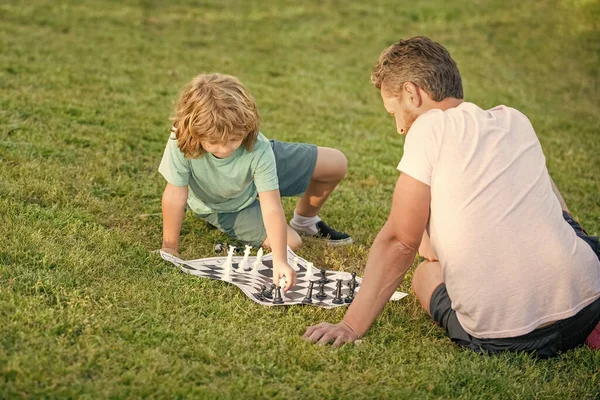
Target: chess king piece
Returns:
[244, 263]
[337, 299]
[321, 295]
[278, 299]
[308, 298]
[258, 260]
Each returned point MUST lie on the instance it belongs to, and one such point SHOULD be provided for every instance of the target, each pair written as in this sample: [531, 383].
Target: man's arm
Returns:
[274, 220]
[174, 200]
[390, 257]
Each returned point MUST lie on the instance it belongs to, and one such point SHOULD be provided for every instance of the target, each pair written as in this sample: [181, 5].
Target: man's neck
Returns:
[447, 103]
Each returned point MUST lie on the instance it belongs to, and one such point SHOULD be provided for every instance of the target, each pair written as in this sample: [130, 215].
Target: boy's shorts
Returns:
[543, 342]
[295, 164]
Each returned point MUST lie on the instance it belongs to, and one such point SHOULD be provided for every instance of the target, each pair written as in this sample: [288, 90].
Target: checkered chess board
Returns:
[252, 282]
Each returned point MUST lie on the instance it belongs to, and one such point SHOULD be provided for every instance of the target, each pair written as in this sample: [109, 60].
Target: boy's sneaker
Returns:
[325, 232]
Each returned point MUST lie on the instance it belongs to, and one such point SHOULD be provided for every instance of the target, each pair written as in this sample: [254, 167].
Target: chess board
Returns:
[251, 282]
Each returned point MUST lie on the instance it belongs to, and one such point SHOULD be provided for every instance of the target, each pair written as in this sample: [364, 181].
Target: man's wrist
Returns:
[353, 328]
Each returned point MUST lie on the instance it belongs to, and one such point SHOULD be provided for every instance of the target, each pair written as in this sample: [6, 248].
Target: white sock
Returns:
[307, 225]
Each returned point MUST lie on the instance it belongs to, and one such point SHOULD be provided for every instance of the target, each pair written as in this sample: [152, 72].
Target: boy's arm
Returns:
[174, 200]
[274, 220]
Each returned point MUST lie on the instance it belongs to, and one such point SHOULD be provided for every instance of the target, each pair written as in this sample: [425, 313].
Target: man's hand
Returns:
[326, 332]
[281, 270]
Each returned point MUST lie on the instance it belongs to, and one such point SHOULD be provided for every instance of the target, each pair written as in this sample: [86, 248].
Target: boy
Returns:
[217, 162]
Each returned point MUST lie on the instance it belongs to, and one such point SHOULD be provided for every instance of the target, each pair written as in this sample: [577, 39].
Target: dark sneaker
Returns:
[326, 233]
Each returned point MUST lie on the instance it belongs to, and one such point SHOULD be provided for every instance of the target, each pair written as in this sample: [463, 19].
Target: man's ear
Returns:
[414, 94]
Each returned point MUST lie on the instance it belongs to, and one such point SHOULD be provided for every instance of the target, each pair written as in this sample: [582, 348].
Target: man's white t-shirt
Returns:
[509, 259]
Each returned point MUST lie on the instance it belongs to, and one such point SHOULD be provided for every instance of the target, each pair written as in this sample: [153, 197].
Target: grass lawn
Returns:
[87, 89]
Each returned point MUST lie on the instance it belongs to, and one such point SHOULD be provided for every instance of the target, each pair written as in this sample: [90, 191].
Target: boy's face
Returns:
[221, 150]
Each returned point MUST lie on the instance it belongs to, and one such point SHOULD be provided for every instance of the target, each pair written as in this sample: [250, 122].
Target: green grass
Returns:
[86, 92]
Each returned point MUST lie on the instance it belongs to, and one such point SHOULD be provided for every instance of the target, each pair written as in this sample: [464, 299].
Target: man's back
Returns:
[509, 260]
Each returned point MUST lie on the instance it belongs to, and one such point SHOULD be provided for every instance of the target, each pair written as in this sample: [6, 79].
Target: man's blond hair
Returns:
[216, 109]
[421, 61]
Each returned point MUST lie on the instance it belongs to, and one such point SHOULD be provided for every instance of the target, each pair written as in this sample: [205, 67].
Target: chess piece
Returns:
[294, 264]
[219, 248]
[354, 282]
[309, 271]
[321, 295]
[260, 294]
[308, 298]
[258, 261]
[337, 299]
[268, 292]
[278, 299]
[242, 266]
[228, 264]
[350, 295]
[323, 276]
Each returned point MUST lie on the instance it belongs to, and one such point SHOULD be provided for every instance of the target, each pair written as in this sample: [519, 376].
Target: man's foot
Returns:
[323, 231]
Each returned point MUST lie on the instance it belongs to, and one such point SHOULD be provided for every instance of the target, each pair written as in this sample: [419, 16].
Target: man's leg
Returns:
[330, 169]
[427, 277]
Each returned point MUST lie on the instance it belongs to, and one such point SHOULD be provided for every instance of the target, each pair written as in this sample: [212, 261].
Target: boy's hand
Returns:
[171, 251]
[281, 270]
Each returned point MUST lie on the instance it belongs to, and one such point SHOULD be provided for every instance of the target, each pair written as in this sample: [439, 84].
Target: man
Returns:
[506, 267]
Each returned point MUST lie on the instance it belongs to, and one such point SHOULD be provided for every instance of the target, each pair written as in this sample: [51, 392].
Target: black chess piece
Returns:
[338, 293]
[323, 276]
[308, 298]
[353, 283]
[268, 292]
[350, 295]
[260, 294]
[219, 248]
[278, 299]
[321, 295]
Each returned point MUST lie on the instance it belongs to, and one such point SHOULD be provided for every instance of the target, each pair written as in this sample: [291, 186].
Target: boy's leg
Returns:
[330, 169]
[311, 172]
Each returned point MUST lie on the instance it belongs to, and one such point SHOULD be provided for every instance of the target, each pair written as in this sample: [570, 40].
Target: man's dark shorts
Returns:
[543, 342]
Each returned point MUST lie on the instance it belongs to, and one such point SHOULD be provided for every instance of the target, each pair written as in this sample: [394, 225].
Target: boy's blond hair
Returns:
[217, 109]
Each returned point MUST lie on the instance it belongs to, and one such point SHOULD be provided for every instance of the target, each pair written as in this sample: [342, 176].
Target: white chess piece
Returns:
[294, 264]
[242, 266]
[258, 261]
[309, 271]
[228, 264]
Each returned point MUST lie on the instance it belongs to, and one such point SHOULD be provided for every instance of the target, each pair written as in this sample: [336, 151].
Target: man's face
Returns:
[400, 110]
[221, 150]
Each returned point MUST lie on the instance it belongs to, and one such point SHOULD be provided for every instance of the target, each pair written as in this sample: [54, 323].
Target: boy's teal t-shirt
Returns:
[221, 185]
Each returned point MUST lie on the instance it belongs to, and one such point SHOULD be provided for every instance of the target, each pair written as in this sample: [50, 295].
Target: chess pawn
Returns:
[321, 295]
